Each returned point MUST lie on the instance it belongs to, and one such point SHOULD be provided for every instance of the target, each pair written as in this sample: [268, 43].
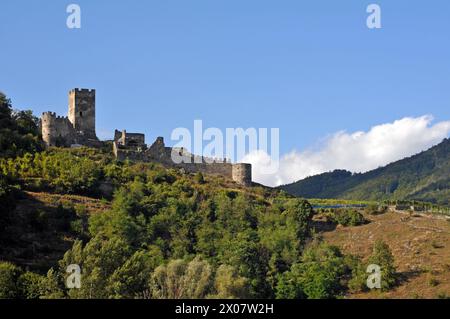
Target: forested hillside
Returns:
[139, 230]
[424, 177]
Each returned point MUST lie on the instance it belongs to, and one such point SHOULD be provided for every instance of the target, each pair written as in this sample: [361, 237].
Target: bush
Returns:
[317, 276]
[181, 280]
[375, 209]
[347, 217]
[382, 256]
[60, 171]
[9, 274]
[358, 280]
[433, 282]
[31, 285]
[229, 285]
[199, 178]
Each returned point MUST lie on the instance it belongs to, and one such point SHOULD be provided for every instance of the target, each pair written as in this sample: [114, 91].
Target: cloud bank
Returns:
[357, 152]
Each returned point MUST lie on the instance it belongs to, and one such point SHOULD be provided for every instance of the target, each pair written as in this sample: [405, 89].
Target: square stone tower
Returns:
[82, 111]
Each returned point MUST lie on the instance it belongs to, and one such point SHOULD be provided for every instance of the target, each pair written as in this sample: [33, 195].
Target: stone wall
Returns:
[158, 152]
[57, 130]
[130, 139]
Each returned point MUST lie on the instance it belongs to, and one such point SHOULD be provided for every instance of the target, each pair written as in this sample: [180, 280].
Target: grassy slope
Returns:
[37, 248]
[420, 244]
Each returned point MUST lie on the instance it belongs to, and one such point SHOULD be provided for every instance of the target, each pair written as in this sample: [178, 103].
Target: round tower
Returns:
[48, 124]
[242, 174]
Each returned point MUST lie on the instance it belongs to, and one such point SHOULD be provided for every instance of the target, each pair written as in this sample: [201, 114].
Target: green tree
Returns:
[181, 280]
[317, 276]
[9, 274]
[98, 261]
[132, 278]
[347, 217]
[18, 130]
[382, 256]
[52, 286]
[31, 285]
[26, 122]
[229, 285]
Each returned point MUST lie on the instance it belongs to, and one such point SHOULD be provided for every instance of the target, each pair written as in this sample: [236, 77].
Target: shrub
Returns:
[181, 280]
[199, 178]
[9, 274]
[60, 171]
[31, 285]
[382, 256]
[433, 282]
[347, 217]
[317, 276]
[229, 285]
[358, 280]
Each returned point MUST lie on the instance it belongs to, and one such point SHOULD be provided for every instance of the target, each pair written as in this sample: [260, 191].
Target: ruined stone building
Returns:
[78, 129]
[132, 146]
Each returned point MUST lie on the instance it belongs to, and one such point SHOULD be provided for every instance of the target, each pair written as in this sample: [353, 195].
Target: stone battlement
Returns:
[91, 91]
[49, 114]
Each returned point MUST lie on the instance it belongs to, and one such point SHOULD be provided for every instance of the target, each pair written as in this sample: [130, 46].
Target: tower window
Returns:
[81, 114]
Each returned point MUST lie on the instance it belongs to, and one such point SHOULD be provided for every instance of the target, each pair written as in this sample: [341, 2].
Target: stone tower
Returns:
[48, 126]
[242, 174]
[82, 111]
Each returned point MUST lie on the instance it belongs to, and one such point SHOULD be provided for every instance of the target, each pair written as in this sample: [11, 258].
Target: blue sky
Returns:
[311, 68]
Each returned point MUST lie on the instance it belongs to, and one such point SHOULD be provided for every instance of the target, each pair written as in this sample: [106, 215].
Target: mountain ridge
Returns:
[424, 176]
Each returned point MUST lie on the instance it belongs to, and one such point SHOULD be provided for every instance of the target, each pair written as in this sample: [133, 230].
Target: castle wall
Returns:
[157, 152]
[117, 135]
[57, 130]
[135, 139]
[65, 130]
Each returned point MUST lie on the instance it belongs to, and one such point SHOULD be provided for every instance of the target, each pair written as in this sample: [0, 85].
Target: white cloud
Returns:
[356, 152]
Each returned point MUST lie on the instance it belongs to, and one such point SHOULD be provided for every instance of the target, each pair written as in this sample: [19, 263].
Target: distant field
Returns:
[343, 202]
[334, 203]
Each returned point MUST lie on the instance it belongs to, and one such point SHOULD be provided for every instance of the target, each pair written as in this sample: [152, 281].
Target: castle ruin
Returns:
[132, 146]
[78, 129]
